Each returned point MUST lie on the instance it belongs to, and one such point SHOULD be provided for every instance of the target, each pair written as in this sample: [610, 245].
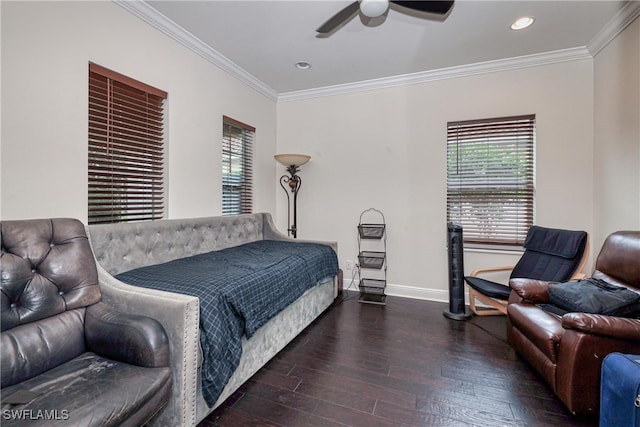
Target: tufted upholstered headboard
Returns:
[125, 246]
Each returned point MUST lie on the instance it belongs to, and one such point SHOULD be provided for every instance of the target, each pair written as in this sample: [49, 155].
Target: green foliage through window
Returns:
[490, 178]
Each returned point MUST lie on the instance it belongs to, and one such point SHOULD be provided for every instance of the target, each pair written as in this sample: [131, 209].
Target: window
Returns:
[237, 149]
[490, 178]
[126, 154]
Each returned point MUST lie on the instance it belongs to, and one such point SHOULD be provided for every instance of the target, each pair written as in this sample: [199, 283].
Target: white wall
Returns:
[387, 149]
[617, 135]
[383, 148]
[46, 48]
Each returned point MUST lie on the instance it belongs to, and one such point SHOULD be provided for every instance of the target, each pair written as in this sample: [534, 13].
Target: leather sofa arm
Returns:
[606, 326]
[133, 339]
[531, 289]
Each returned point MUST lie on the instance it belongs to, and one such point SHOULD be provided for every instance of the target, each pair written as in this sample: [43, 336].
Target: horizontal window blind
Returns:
[237, 174]
[490, 178]
[126, 152]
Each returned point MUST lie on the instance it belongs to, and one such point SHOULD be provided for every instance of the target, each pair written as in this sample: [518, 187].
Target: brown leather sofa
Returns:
[568, 350]
[68, 358]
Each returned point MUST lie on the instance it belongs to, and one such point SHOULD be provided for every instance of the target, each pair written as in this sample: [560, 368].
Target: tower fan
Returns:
[457, 307]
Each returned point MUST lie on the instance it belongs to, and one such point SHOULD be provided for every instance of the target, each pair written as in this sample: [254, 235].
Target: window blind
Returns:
[490, 178]
[126, 153]
[237, 174]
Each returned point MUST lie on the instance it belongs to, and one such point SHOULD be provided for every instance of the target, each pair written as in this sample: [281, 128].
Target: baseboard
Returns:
[409, 291]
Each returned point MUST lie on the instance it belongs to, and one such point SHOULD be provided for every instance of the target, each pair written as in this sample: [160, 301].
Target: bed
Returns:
[133, 256]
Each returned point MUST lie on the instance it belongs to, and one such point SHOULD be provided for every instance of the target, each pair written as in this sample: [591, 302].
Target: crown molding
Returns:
[148, 14]
[160, 22]
[618, 23]
[441, 74]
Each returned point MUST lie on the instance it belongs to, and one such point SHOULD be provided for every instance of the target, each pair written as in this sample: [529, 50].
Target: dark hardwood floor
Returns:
[403, 364]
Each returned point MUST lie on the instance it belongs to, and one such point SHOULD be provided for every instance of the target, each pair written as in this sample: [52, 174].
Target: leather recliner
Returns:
[567, 351]
[67, 358]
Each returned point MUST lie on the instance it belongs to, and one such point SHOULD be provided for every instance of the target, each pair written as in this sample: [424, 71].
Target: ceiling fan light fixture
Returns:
[522, 23]
[374, 8]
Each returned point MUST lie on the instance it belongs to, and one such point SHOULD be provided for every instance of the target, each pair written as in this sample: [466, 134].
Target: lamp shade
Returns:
[292, 159]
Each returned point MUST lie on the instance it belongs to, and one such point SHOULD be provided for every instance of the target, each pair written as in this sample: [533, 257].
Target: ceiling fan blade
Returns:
[439, 7]
[340, 18]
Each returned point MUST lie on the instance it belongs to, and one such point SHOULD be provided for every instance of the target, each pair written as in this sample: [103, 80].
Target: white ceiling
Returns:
[266, 38]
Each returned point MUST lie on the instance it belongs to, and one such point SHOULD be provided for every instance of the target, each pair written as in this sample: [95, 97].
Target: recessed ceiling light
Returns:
[302, 65]
[522, 23]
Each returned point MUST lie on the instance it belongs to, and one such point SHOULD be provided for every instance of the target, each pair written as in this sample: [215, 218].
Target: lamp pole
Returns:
[292, 162]
[293, 181]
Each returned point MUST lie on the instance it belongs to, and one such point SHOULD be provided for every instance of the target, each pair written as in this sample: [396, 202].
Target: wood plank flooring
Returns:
[403, 364]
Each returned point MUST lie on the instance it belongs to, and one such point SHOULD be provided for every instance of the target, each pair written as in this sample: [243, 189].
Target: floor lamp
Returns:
[293, 181]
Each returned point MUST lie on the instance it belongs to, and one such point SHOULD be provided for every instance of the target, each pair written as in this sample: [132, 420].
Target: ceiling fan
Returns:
[375, 8]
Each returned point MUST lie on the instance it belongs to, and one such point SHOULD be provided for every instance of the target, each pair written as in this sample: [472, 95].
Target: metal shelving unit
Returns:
[372, 257]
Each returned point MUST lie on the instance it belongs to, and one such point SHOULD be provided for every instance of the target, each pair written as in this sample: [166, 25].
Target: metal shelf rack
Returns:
[372, 257]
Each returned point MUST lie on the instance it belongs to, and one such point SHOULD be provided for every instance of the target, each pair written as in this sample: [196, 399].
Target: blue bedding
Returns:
[240, 289]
